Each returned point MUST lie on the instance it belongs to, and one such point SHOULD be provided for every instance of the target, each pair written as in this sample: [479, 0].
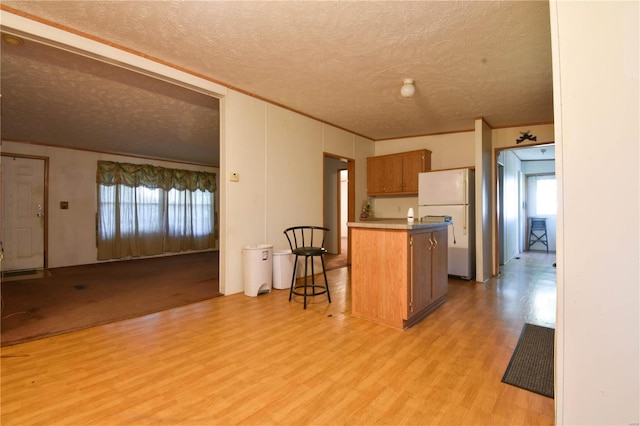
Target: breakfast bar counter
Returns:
[398, 270]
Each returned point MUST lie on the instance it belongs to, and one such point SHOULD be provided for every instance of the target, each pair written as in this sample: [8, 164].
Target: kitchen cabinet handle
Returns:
[435, 243]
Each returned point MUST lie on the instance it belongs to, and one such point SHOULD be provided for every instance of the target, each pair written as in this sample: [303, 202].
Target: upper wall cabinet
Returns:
[396, 174]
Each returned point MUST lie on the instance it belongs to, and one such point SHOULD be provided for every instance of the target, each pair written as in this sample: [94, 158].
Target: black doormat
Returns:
[531, 365]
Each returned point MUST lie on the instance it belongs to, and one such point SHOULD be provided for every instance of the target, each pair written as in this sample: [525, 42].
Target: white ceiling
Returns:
[536, 153]
[340, 62]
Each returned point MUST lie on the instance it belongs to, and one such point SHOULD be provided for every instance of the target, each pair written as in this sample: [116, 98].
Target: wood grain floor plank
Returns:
[265, 360]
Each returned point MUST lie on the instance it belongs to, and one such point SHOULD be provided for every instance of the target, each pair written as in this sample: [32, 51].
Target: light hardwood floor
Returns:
[264, 360]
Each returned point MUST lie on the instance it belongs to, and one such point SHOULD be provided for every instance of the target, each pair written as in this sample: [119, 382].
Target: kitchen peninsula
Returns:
[398, 270]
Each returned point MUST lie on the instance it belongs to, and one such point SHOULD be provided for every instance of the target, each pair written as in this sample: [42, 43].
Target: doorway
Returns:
[514, 168]
[338, 207]
[24, 212]
[541, 203]
[343, 209]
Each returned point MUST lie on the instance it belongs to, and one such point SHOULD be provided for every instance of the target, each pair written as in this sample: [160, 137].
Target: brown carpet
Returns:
[78, 297]
[335, 261]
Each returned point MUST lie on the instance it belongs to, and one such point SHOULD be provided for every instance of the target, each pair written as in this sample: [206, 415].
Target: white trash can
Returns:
[257, 269]
[282, 269]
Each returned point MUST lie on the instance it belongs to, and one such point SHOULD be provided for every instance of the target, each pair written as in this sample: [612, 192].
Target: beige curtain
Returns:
[147, 210]
[135, 175]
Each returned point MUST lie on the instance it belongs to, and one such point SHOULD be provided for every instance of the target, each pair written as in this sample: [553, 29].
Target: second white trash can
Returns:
[257, 269]
[282, 269]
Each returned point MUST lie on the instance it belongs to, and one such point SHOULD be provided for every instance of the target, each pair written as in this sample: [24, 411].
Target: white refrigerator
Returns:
[452, 193]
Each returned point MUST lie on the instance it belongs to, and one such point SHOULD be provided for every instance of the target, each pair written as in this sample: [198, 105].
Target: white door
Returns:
[23, 213]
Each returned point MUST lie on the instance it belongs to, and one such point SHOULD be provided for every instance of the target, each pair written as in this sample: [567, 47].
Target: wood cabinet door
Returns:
[420, 293]
[396, 174]
[375, 175]
[412, 164]
[439, 261]
[384, 174]
[393, 174]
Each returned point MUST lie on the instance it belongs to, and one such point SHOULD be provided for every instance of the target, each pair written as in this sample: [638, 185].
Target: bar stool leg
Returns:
[293, 278]
[326, 282]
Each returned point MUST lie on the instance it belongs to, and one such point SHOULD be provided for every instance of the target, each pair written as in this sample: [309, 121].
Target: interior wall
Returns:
[596, 57]
[279, 156]
[295, 162]
[72, 178]
[332, 168]
[511, 205]
[364, 149]
[485, 203]
[344, 205]
[506, 137]
[451, 150]
[356, 149]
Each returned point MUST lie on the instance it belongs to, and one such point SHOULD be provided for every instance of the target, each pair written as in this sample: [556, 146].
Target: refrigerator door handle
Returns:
[466, 207]
[466, 218]
[465, 195]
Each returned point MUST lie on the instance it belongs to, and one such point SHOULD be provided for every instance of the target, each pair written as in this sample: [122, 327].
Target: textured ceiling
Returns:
[55, 97]
[340, 62]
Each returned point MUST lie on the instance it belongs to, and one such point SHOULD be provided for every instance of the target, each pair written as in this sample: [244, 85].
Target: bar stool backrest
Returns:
[306, 236]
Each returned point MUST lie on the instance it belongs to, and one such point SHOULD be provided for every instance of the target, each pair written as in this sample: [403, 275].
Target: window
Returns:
[148, 210]
[190, 212]
[546, 201]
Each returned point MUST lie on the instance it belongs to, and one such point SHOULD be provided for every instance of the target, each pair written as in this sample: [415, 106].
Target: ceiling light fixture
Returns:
[408, 89]
[12, 40]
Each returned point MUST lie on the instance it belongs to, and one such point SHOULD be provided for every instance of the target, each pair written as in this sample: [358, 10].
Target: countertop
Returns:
[396, 224]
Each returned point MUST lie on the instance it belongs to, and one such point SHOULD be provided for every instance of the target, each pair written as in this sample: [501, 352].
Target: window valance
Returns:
[133, 175]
